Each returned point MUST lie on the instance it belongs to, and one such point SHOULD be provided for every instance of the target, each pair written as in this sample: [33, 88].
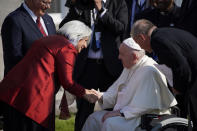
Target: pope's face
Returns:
[39, 7]
[126, 56]
[82, 44]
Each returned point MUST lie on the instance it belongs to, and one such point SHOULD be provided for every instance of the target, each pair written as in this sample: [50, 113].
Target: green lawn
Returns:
[61, 125]
[65, 125]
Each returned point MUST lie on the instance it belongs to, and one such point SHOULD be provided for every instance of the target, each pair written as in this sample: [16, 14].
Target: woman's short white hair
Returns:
[74, 31]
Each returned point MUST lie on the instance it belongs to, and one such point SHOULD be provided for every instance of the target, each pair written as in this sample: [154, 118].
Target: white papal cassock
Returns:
[139, 90]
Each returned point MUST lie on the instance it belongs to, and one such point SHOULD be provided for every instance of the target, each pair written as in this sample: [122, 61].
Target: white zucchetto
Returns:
[132, 44]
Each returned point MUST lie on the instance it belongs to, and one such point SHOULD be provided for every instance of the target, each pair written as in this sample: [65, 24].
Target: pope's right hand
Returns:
[91, 95]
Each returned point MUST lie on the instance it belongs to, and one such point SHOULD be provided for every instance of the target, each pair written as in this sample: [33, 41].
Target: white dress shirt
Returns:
[92, 54]
[34, 17]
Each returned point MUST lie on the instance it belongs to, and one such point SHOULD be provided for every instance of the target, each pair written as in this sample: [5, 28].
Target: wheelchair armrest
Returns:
[148, 120]
[175, 110]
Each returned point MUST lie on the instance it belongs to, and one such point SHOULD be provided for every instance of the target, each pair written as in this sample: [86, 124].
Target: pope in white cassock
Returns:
[140, 89]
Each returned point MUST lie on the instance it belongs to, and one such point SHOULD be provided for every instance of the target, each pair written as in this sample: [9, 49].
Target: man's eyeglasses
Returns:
[46, 3]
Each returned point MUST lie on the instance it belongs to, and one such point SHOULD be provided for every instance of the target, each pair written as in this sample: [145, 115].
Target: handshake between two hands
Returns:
[92, 95]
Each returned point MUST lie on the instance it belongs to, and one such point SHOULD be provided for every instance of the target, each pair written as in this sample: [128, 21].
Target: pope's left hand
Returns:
[175, 91]
[111, 114]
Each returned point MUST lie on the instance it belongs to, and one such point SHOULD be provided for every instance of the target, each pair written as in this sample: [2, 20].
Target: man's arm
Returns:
[152, 94]
[12, 43]
[110, 96]
[171, 56]
[108, 99]
[73, 14]
[116, 24]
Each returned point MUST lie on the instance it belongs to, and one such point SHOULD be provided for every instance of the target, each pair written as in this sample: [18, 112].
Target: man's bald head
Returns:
[141, 32]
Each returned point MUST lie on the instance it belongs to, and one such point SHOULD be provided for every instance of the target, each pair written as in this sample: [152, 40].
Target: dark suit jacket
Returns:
[188, 17]
[112, 25]
[18, 32]
[170, 18]
[178, 50]
[129, 6]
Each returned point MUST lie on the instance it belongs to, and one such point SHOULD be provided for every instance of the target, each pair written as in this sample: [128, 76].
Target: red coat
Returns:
[29, 86]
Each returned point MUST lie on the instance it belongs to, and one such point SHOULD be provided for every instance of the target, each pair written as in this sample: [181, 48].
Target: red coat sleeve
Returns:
[65, 60]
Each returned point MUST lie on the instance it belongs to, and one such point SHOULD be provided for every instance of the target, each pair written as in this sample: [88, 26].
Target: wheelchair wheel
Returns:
[172, 124]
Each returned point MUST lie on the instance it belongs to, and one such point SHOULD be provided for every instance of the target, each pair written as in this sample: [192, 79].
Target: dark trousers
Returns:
[193, 104]
[95, 77]
[16, 121]
[191, 98]
[193, 112]
[183, 106]
[182, 102]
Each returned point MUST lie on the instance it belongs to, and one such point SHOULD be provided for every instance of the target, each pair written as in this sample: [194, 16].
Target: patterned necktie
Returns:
[137, 7]
[95, 43]
[40, 26]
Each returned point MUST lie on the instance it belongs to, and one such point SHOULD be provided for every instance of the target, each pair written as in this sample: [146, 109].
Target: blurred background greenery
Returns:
[65, 125]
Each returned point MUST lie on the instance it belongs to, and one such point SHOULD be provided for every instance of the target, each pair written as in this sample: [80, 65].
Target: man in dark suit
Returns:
[134, 7]
[108, 20]
[177, 49]
[163, 13]
[20, 30]
[188, 15]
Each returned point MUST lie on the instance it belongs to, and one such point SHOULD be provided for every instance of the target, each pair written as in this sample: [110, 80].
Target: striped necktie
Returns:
[40, 26]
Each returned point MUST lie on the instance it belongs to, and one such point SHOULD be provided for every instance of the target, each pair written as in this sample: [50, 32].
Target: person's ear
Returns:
[135, 57]
[142, 37]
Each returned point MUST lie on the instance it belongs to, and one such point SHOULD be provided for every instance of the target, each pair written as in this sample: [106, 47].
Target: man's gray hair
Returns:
[74, 31]
[141, 26]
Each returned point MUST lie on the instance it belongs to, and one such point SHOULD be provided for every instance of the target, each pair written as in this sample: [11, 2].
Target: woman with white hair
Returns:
[28, 90]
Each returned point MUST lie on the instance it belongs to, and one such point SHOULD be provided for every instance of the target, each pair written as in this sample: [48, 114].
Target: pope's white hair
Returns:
[74, 31]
